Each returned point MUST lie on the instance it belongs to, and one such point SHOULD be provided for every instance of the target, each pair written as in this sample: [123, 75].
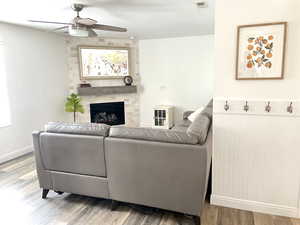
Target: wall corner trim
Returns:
[17, 153]
[249, 205]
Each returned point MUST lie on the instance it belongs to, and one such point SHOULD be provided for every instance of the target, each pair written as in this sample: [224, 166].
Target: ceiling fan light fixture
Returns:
[82, 27]
[76, 31]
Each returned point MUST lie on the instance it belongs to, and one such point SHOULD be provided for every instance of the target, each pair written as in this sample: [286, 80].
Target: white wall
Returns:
[238, 13]
[175, 71]
[256, 158]
[37, 80]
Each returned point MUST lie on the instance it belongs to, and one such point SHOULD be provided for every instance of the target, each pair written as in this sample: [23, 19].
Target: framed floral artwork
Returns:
[261, 51]
[101, 62]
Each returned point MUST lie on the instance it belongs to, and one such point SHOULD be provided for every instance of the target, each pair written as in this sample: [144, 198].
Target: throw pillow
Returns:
[193, 115]
[199, 128]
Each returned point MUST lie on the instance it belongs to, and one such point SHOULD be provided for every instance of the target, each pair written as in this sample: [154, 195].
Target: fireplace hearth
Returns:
[111, 113]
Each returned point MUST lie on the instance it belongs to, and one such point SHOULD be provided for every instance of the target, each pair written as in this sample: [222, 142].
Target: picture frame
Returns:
[261, 51]
[103, 62]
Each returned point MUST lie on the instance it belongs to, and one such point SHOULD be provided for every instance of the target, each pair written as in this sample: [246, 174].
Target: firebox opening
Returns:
[111, 113]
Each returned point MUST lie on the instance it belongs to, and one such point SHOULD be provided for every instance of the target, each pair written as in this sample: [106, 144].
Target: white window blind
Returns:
[4, 104]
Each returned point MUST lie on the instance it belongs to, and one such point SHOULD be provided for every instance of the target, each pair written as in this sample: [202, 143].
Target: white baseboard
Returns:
[15, 154]
[254, 206]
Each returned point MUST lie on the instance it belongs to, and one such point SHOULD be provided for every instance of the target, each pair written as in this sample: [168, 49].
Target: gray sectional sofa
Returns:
[166, 169]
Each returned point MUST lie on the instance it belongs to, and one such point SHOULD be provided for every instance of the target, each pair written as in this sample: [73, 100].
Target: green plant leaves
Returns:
[73, 104]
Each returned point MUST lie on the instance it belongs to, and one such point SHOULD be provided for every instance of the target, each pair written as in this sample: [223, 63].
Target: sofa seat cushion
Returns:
[151, 134]
[76, 128]
[183, 123]
[179, 128]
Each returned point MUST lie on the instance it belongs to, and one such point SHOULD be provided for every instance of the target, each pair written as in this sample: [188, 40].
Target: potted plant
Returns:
[73, 105]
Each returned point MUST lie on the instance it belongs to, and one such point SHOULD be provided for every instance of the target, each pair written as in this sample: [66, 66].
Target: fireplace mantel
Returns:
[106, 90]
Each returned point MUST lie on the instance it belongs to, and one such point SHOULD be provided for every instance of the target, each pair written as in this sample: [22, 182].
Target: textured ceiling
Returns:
[143, 18]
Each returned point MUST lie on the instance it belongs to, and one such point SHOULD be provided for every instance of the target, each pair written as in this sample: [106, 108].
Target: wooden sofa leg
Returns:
[197, 220]
[114, 205]
[45, 193]
[59, 192]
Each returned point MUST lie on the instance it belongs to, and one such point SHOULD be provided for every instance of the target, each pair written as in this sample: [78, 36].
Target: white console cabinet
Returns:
[163, 117]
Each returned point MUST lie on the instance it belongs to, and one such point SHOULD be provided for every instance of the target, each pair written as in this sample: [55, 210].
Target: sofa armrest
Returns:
[150, 134]
[43, 175]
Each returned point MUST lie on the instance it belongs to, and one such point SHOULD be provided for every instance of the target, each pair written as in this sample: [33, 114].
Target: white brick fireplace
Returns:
[131, 100]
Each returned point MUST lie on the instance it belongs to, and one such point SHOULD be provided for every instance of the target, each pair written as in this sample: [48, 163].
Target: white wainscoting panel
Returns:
[254, 206]
[256, 156]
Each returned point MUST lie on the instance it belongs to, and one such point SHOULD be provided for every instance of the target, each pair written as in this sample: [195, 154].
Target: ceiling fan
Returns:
[82, 27]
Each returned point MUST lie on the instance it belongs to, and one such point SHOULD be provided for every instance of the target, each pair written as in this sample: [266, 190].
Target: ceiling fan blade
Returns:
[92, 33]
[108, 28]
[86, 21]
[39, 21]
[60, 28]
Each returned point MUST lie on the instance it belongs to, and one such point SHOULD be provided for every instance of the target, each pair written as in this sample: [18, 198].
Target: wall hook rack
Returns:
[246, 107]
[289, 109]
[268, 107]
[226, 106]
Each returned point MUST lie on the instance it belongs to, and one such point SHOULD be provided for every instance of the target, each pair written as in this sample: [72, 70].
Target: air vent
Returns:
[201, 4]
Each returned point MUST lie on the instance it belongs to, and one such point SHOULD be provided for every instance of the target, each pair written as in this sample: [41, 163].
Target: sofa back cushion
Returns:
[71, 153]
[151, 134]
[93, 129]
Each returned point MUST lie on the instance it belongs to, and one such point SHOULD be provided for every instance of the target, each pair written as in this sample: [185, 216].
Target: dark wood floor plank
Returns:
[246, 217]
[12, 165]
[209, 215]
[10, 177]
[136, 217]
[227, 216]
[73, 207]
[18, 160]
[262, 219]
[175, 219]
[295, 221]
[280, 220]
[153, 219]
[185, 220]
[119, 216]
[19, 189]
[48, 211]
[87, 211]
[168, 220]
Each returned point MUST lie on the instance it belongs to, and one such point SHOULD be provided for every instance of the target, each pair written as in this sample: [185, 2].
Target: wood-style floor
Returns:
[21, 204]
